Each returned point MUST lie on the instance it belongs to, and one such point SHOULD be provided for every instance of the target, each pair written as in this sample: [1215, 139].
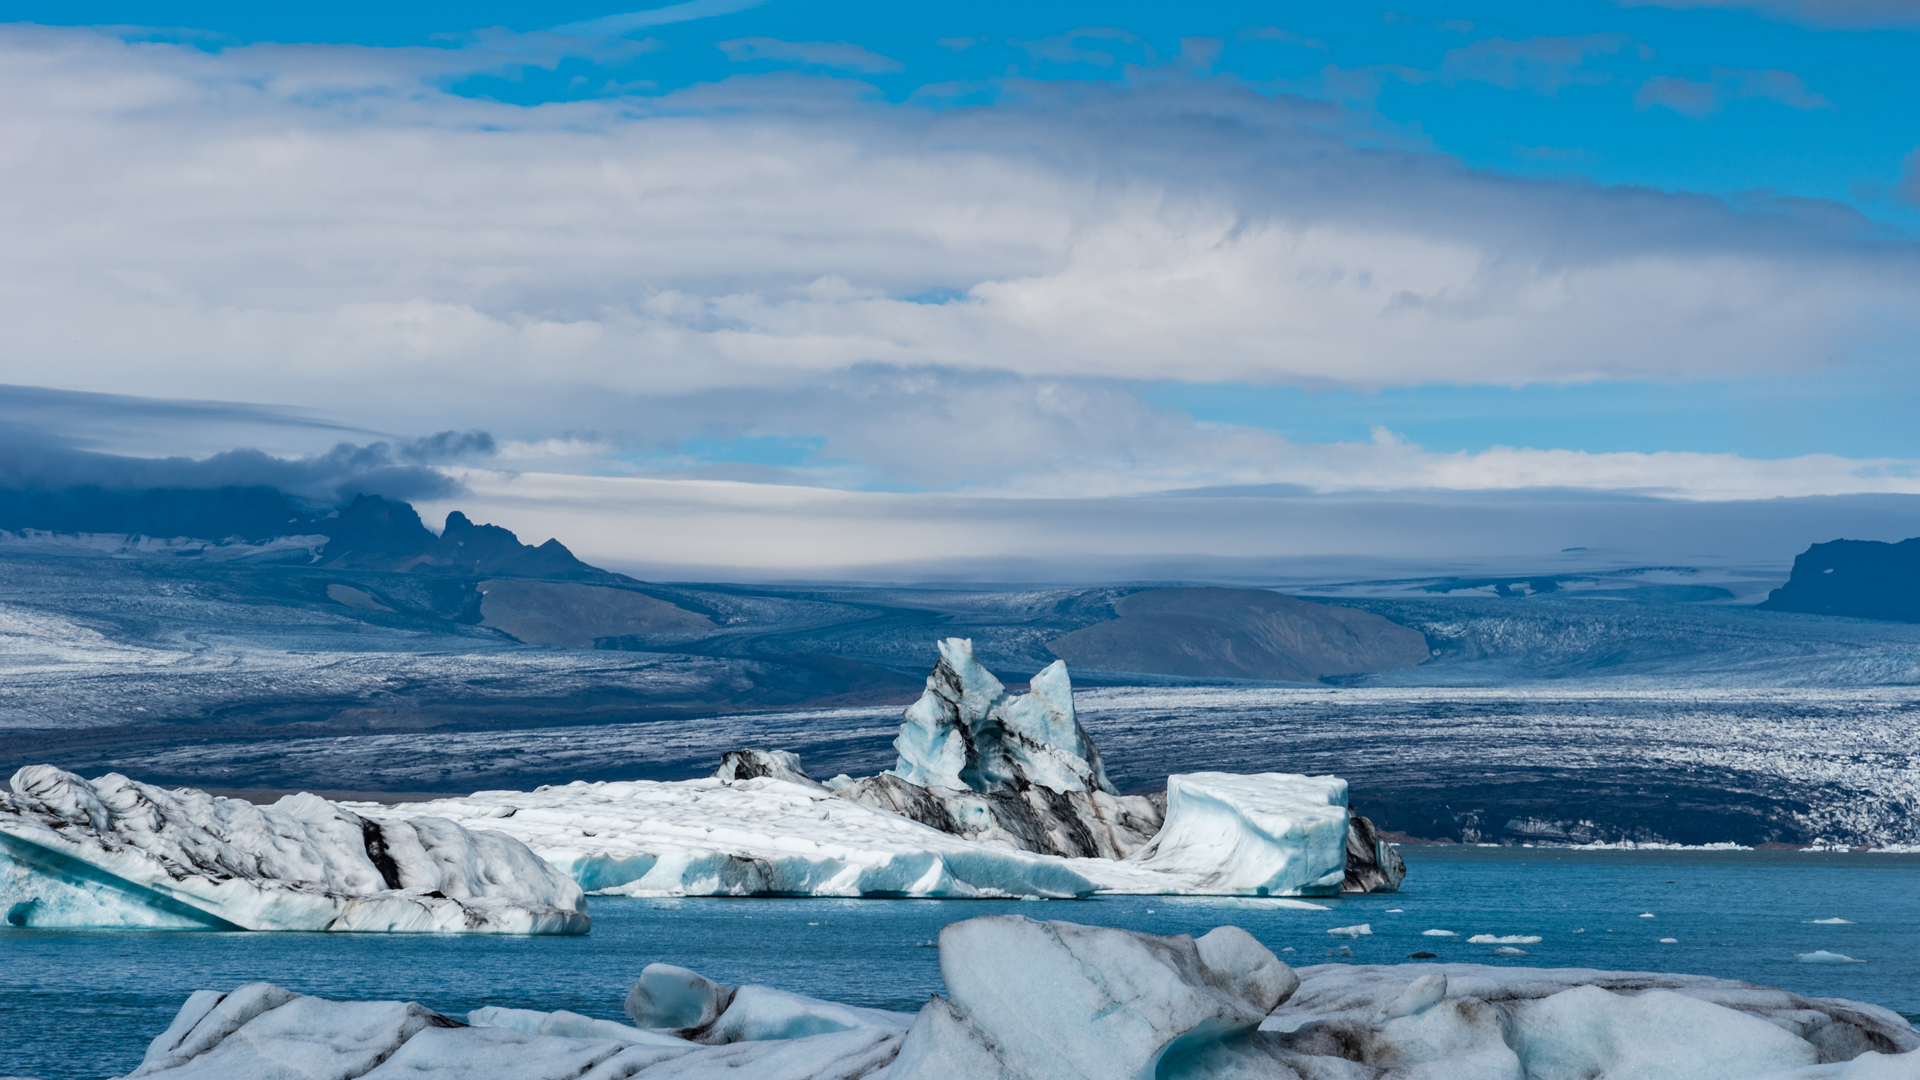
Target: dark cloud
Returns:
[44, 434]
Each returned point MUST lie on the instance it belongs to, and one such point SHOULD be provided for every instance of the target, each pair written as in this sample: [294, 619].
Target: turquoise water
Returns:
[77, 1004]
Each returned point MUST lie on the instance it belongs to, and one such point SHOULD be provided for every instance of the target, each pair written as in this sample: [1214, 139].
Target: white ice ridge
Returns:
[1030, 1000]
[967, 732]
[115, 853]
[1271, 834]
[754, 837]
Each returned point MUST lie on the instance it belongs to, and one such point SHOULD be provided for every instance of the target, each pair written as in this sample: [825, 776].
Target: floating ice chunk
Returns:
[1088, 1003]
[1669, 941]
[115, 853]
[756, 837]
[1646, 915]
[261, 1031]
[753, 764]
[1587, 1031]
[1421, 994]
[670, 998]
[1262, 834]
[1822, 956]
[1438, 933]
[1396, 911]
[1508, 950]
[1830, 922]
[1508, 939]
[1361, 930]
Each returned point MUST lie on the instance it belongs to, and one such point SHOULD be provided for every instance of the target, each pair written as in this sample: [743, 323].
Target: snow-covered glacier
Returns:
[112, 852]
[1030, 1000]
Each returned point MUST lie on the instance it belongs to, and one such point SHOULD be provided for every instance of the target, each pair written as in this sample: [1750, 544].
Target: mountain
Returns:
[372, 533]
[1866, 579]
[1240, 634]
[369, 533]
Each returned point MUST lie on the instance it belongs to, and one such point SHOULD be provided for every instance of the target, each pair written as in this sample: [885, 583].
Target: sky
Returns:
[953, 265]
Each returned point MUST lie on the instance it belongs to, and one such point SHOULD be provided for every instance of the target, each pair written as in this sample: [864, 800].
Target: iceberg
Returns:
[1265, 834]
[1030, 1000]
[756, 837]
[993, 796]
[966, 731]
[115, 853]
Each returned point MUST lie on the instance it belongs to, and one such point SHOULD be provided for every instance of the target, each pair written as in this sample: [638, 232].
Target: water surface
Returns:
[77, 1004]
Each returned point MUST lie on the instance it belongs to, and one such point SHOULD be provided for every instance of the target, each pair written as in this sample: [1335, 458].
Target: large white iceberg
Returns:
[1029, 1000]
[753, 837]
[115, 853]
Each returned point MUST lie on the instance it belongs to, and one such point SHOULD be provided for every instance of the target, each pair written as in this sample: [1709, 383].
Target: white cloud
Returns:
[713, 530]
[323, 225]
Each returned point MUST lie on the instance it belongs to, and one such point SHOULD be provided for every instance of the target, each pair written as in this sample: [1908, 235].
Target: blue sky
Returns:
[1023, 249]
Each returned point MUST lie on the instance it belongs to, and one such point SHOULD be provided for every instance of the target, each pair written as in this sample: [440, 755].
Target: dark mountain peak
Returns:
[1865, 579]
[372, 533]
[369, 533]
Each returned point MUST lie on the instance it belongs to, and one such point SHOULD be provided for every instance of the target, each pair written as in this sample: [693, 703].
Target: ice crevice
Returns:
[1030, 1000]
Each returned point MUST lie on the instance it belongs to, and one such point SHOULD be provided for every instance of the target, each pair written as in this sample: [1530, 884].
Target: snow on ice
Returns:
[1028, 1000]
[115, 853]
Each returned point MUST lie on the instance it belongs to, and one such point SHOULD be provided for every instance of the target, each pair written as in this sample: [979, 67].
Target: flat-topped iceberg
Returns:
[1268, 834]
[115, 853]
[1029, 1000]
[755, 837]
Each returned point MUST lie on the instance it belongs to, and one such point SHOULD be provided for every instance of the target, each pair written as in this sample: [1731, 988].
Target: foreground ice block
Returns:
[1265, 834]
[1028, 1000]
[755, 837]
[115, 853]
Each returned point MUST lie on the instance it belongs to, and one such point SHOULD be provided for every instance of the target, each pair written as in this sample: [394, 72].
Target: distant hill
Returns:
[1866, 579]
[369, 533]
[1240, 634]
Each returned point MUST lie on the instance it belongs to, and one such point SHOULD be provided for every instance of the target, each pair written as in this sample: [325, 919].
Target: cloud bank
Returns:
[962, 298]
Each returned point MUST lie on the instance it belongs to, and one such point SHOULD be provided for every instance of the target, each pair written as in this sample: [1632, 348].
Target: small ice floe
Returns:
[1362, 930]
[1507, 939]
[1396, 911]
[1646, 914]
[1438, 933]
[1822, 956]
[1508, 950]
[1582, 930]
[1830, 922]
[1669, 941]
[1287, 949]
[1344, 950]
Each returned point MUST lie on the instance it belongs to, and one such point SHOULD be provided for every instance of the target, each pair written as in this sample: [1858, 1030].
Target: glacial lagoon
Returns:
[83, 1004]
